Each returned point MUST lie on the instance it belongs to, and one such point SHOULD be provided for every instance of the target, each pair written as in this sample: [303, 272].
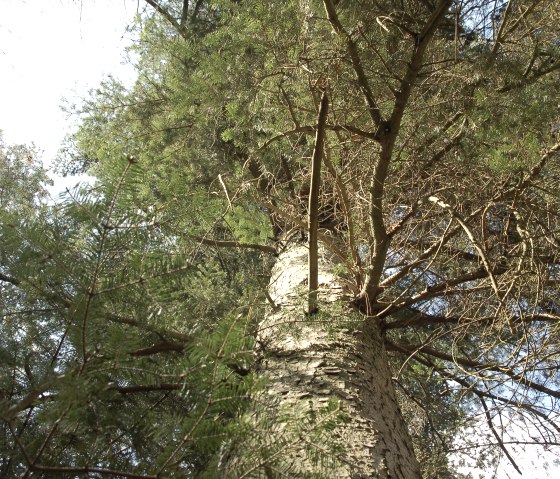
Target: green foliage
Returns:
[22, 179]
[129, 333]
[126, 341]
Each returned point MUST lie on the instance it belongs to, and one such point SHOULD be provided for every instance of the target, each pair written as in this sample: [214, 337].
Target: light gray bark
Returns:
[328, 407]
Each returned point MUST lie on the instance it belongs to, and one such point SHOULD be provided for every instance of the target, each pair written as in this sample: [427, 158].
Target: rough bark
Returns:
[328, 407]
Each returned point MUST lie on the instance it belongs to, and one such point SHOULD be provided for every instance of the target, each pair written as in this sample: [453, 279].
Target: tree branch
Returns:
[162, 347]
[9, 279]
[26, 402]
[90, 470]
[165, 13]
[418, 318]
[313, 209]
[388, 135]
[430, 292]
[470, 386]
[412, 349]
[235, 244]
[495, 433]
[373, 108]
[147, 388]
[184, 15]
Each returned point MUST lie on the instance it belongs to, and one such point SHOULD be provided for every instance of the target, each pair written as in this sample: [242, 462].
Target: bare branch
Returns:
[373, 108]
[412, 349]
[470, 386]
[313, 208]
[165, 13]
[495, 433]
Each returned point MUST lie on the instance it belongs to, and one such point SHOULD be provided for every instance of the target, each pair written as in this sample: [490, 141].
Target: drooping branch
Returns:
[495, 433]
[471, 386]
[473, 365]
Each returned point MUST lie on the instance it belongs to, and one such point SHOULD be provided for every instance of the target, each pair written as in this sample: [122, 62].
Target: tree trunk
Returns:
[328, 407]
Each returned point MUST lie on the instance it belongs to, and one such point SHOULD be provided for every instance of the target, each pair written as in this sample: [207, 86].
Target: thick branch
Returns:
[313, 209]
[526, 81]
[165, 13]
[265, 187]
[388, 136]
[9, 279]
[184, 15]
[163, 347]
[130, 321]
[373, 108]
[26, 402]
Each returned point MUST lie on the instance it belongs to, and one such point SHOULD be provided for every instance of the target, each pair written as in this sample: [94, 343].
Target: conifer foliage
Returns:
[132, 311]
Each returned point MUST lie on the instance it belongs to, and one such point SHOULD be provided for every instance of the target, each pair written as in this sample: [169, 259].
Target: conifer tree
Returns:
[159, 319]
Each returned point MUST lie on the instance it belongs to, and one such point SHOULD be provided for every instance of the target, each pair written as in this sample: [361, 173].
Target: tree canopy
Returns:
[132, 311]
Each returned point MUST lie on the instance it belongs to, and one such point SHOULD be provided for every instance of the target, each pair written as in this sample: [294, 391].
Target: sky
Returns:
[52, 50]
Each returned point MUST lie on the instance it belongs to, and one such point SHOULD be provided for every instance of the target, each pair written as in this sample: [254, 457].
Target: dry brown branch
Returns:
[313, 208]
[373, 108]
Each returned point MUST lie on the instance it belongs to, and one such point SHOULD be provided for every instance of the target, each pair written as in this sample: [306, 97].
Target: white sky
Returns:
[55, 49]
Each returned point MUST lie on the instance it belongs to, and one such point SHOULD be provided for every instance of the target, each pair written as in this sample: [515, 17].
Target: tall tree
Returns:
[167, 325]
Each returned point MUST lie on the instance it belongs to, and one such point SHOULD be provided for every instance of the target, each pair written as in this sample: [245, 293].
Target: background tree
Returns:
[136, 306]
